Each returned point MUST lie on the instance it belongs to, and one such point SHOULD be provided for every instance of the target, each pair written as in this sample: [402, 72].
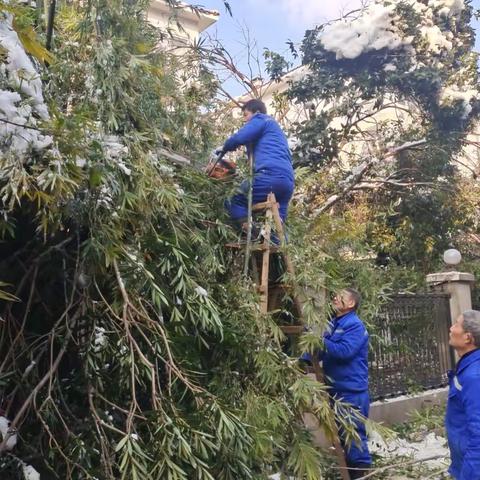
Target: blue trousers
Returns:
[356, 453]
[263, 184]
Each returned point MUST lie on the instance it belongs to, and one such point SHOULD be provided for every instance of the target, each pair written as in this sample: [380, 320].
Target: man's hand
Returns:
[218, 151]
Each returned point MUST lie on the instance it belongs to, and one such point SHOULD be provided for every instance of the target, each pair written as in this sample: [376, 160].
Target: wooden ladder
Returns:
[271, 296]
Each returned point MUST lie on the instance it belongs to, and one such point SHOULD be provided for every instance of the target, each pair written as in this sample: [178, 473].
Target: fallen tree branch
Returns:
[358, 176]
[401, 464]
[4, 120]
[33, 394]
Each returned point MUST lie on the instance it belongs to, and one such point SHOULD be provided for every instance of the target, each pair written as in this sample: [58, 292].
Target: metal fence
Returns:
[409, 345]
[476, 297]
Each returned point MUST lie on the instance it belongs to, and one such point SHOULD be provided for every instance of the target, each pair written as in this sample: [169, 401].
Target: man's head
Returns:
[346, 300]
[465, 332]
[250, 108]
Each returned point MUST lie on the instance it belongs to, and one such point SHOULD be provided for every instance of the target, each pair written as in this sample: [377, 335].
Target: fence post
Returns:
[458, 285]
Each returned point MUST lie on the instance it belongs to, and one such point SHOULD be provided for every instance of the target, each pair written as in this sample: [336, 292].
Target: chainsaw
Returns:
[220, 168]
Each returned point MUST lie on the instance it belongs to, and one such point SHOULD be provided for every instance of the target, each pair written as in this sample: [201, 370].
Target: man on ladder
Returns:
[272, 162]
[270, 191]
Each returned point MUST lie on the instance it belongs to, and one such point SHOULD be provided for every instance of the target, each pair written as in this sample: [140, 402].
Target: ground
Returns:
[417, 449]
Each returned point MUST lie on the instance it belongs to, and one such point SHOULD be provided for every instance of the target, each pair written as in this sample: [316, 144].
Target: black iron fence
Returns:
[409, 345]
[476, 297]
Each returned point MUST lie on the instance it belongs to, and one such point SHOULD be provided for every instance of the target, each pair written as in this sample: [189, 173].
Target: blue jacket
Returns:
[270, 147]
[462, 420]
[345, 355]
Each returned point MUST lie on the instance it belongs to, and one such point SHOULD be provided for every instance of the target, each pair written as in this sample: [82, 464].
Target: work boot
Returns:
[358, 470]
[241, 226]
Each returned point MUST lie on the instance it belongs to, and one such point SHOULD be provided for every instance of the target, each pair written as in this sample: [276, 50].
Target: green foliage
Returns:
[358, 109]
[136, 350]
[430, 418]
[276, 64]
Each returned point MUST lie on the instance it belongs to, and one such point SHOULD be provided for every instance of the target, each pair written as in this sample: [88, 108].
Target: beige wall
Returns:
[162, 16]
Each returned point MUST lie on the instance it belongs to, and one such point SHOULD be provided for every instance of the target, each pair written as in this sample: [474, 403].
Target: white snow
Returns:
[80, 162]
[453, 94]
[431, 445]
[436, 39]
[166, 169]
[4, 430]
[201, 291]
[179, 189]
[372, 30]
[20, 67]
[29, 473]
[100, 339]
[116, 151]
[378, 26]
[24, 103]
[448, 8]
[389, 67]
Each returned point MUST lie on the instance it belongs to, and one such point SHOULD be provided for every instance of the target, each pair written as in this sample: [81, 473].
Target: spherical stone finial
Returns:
[452, 256]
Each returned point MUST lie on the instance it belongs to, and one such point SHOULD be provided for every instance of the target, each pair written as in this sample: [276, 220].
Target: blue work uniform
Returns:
[273, 170]
[462, 420]
[345, 364]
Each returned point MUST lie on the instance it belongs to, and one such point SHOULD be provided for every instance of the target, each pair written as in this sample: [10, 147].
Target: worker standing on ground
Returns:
[462, 420]
[345, 364]
[272, 169]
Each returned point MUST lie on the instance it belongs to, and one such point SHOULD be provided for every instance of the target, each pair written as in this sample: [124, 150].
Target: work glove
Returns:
[218, 151]
[215, 154]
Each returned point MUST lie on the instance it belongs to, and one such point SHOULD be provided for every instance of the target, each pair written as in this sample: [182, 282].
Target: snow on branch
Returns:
[21, 96]
[372, 30]
[379, 26]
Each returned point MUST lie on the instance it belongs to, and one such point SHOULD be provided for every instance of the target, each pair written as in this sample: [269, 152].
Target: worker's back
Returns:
[271, 152]
[270, 147]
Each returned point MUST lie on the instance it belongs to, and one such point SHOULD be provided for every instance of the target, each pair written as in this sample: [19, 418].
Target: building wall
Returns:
[162, 16]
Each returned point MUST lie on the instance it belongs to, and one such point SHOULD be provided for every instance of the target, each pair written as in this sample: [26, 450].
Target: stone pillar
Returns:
[458, 285]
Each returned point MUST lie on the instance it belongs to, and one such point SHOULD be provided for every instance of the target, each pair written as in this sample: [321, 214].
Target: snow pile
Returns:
[448, 8]
[200, 291]
[25, 104]
[436, 39]
[431, 446]
[5, 432]
[100, 339]
[453, 94]
[373, 30]
[389, 67]
[29, 473]
[379, 27]
[116, 151]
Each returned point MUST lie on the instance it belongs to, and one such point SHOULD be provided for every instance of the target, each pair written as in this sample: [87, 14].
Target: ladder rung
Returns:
[262, 206]
[282, 287]
[255, 247]
[292, 329]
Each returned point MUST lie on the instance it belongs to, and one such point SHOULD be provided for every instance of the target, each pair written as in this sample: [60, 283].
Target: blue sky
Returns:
[272, 22]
